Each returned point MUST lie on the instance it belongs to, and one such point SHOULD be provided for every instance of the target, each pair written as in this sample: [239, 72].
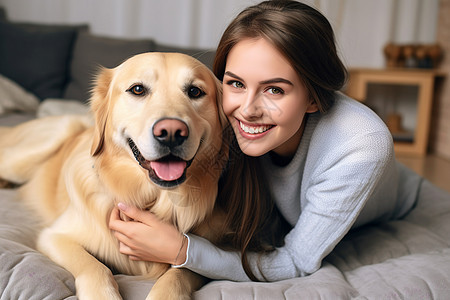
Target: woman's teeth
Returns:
[254, 129]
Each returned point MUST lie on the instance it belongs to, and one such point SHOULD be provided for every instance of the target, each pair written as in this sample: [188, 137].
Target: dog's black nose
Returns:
[170, 132]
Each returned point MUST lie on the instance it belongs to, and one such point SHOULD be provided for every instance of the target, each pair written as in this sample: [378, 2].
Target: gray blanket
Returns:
[403, 259]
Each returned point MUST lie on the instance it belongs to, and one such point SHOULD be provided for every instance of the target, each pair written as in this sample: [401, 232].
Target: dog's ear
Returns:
[100, 108]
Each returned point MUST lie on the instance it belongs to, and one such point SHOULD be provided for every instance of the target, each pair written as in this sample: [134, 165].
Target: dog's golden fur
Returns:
[74, 170]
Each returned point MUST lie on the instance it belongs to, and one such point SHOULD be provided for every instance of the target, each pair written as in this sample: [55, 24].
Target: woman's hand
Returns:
[146, 237]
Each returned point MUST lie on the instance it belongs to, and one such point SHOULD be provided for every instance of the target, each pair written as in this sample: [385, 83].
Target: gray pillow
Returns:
[91, 52]
[203, 55]
[36, 56]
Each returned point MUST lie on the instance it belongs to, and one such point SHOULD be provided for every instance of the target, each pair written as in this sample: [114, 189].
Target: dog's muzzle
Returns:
[168, 171]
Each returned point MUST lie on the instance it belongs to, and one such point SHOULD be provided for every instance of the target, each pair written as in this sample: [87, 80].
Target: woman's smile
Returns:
[254, 130]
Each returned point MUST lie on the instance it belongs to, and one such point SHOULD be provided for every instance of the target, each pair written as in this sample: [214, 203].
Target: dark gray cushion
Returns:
[36, 56]
[2, 14]
[91, 52]
[205, 56]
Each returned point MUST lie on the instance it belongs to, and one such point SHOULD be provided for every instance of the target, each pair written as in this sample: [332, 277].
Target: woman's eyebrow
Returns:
[268, 81]
[276, 80]
[231, 74]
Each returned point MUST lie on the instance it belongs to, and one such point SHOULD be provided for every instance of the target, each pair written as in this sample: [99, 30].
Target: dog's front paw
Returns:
[97, 287]
[175, 284]
[163, 293]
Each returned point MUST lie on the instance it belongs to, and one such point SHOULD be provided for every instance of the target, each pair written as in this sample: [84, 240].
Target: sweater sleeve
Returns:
[210, 261]
[341, 186]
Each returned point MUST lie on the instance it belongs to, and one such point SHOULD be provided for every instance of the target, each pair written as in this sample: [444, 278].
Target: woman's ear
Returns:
[312, 107]
[100, 107]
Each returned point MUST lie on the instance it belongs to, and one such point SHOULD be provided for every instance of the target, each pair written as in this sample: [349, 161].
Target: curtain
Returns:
[362, 27]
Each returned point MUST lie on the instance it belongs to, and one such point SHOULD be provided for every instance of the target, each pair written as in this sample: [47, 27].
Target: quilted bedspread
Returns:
[402, 259]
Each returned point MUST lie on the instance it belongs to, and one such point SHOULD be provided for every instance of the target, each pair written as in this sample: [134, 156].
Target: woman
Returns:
[325, 160]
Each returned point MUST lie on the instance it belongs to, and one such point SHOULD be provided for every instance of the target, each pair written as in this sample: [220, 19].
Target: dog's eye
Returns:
[195, 92]
[137, 89]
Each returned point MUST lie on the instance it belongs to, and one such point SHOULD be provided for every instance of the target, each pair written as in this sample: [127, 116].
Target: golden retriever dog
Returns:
[155, 143]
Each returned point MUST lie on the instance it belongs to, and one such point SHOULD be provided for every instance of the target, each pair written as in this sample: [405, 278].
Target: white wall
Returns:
[362, 27]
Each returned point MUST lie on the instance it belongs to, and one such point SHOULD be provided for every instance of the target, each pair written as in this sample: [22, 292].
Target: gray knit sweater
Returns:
[343, 175]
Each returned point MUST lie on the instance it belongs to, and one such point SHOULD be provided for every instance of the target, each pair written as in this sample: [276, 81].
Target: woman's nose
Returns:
[253, 107]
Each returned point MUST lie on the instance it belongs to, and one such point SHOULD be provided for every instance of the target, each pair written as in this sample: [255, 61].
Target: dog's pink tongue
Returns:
[168, 170]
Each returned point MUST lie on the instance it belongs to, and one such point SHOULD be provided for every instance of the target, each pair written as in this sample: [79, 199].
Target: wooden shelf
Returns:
[423, 78]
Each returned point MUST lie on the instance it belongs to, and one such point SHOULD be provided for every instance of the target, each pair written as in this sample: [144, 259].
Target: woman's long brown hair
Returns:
[305, 37]
[253, 221]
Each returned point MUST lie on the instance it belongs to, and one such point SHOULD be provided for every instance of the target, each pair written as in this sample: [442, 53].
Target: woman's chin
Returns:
[252, 148]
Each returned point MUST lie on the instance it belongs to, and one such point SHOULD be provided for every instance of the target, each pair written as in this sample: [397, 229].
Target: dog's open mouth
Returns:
[168, 171]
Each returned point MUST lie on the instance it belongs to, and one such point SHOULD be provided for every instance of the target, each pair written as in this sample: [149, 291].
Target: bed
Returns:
[402, 259]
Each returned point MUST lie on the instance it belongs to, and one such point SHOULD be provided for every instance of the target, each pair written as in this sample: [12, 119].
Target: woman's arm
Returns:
[149, 239]
[208, 260]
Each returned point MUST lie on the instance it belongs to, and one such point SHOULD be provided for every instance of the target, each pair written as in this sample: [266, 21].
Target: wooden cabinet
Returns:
[357, 88]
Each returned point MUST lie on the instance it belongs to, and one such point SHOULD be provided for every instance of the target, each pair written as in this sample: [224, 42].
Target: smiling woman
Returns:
[264, 98]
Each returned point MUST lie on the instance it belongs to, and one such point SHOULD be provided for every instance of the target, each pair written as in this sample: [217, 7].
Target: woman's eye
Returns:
[195, 92]
[137, 89]
[275, 91]
[236, 84]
